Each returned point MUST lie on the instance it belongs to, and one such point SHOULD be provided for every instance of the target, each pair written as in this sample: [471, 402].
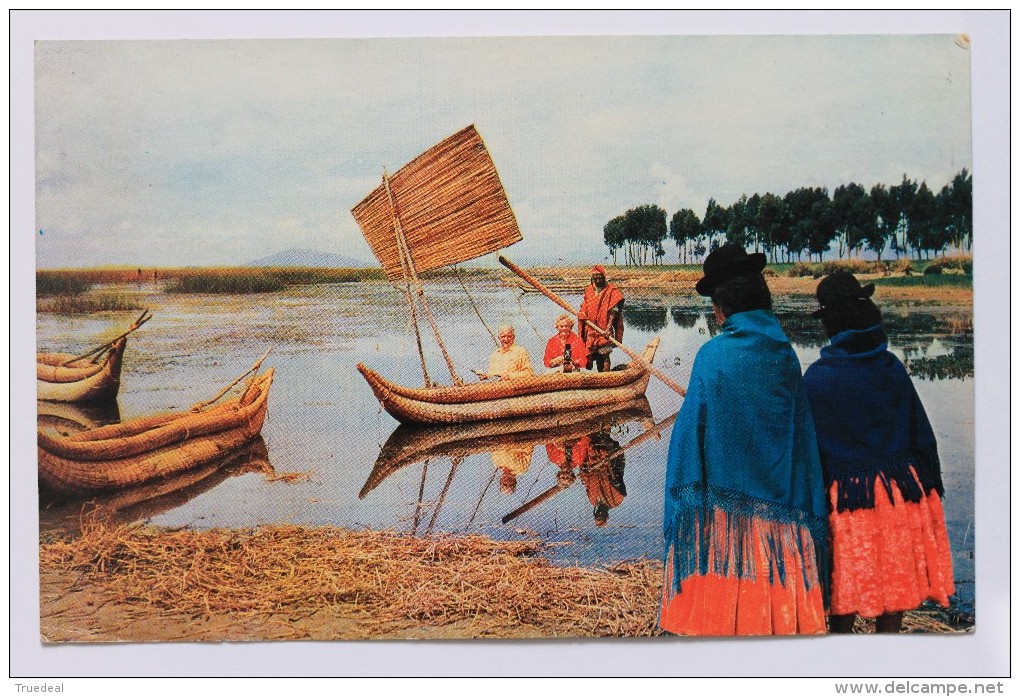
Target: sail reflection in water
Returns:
[511, 446]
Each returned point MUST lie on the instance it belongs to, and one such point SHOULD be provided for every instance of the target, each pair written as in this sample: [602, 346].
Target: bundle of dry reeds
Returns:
[331, 583]
[386, 581]
[451, 206]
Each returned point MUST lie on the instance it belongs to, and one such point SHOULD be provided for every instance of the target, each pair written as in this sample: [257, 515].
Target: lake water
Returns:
[325, 423]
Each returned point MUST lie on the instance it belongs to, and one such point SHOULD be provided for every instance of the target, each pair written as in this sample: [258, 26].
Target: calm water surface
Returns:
[324, 421]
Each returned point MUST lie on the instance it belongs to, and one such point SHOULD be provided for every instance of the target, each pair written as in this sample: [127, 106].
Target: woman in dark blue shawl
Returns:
[745, 526]
[889, 542]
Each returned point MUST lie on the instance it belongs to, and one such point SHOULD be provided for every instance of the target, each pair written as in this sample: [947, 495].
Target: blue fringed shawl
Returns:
[871, 424]
[744, 443]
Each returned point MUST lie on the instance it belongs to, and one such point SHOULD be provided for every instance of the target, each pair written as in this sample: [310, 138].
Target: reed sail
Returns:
[442, 208]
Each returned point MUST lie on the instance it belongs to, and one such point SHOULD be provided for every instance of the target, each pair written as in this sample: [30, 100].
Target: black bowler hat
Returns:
[727, 262]
[840, 285]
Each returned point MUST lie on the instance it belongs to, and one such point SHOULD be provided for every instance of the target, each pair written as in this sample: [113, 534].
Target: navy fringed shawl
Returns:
[744, 444]
[871, 424]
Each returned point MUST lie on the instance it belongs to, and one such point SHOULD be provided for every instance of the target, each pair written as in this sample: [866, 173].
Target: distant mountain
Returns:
[310, 258]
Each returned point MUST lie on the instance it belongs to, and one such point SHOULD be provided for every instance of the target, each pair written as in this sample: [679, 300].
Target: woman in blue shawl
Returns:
[745, 527]
[890, 549]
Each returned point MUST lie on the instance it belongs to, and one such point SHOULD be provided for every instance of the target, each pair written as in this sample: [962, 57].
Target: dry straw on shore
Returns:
[384, 581]
[331, 583]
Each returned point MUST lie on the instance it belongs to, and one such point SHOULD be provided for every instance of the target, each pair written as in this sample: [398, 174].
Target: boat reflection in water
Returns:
[65, 418]
[579, 444]
[62, 513]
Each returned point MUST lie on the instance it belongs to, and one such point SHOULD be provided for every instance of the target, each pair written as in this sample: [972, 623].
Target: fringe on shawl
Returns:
[855, 481]
[700, 545]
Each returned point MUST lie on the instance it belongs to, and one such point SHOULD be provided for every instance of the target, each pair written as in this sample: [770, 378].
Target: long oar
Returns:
[566, 306]
[652, 432]
[142, 319]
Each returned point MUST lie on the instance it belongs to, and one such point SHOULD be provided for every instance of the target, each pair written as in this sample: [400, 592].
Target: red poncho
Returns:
[596, 308]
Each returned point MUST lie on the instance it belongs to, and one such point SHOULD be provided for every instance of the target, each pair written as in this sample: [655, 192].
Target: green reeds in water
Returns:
[928, 280]
[50, 283]
[231, 283]
[86, 304]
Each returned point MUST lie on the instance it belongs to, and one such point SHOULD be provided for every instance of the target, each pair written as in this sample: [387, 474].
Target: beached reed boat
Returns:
[154, 447]
[90, 377]
[444, 207]
[60, 378]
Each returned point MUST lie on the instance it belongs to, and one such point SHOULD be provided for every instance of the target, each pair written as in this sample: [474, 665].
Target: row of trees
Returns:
[907, 218]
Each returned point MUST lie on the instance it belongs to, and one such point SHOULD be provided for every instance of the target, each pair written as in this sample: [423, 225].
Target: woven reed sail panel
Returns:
[451, 207]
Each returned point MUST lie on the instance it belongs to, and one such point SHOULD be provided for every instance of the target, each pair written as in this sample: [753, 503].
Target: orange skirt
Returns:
[755, 604]
[892, 557]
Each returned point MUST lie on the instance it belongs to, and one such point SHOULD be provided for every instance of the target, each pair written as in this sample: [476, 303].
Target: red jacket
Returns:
[554, 349]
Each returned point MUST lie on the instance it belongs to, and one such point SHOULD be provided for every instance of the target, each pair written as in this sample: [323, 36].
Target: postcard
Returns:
[639, 339]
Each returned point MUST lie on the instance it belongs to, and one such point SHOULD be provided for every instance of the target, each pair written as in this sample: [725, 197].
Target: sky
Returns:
[216, 152]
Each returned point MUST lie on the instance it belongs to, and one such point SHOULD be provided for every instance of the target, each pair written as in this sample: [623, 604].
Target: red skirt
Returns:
[714, 604]
[892, 557]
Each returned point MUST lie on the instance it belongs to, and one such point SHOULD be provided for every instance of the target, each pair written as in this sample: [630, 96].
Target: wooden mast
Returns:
[407, 262]
[407, 283]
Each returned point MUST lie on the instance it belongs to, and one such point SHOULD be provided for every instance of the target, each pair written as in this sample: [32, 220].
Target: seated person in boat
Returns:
[509, 361]
[566, 344]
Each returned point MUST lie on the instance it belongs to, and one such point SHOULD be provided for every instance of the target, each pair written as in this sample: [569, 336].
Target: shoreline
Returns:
[138, 583]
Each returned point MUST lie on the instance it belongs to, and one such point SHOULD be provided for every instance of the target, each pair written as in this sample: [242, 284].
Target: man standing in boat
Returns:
[509, 361]
[602, 306]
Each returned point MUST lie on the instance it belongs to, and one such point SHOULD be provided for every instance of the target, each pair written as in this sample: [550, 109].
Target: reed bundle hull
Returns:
[488, 401]
[152, 448]
[80, 381]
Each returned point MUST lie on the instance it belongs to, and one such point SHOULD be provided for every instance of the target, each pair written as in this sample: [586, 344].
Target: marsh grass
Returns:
[50, 283]
[375, 584]
[86, 304]
[230, 283]
[309, 276]
[927, 281]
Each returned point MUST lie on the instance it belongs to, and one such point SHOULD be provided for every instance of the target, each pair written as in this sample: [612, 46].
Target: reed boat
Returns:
[410, 444]
[152, 448]
[554, 393]
[89, 378]
[61, 378]
[448, 206]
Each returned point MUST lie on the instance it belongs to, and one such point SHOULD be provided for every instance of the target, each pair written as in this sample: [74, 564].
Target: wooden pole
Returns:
[475, 307]
[544, 496]
[566, 306]
[407, 282]
[142, 319]
[455, 462]
[406, 251]
[254, 369]
[421, 494]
